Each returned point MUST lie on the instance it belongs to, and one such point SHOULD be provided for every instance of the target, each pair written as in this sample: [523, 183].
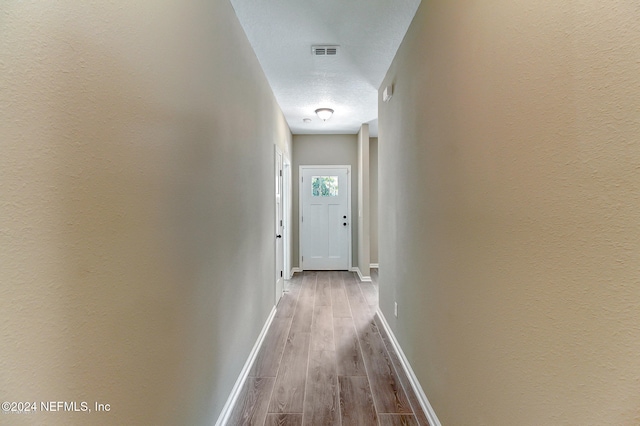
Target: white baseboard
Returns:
[237, 388]
[364, 279]
[374, 266]
[415, 384]
[294, 270]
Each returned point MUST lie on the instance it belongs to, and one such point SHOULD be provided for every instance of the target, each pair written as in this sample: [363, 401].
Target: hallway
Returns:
[138, 219]
[315, 369]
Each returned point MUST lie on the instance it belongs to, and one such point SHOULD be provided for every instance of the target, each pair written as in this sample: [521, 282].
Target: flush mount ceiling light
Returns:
[324, 113]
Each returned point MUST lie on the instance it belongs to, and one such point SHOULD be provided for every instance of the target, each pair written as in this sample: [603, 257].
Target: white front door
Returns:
[279, 229]
[325, 218]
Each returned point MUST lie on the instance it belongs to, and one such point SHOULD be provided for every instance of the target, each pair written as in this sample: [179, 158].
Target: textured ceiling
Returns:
[368, 33]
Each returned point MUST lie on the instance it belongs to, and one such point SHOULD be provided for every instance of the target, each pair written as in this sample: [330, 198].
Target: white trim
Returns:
[374, 266]
[237, 388]
[286, 217]
[364, 279]
[300, 203]
[415, 384]
[294, 270]
[279, 228]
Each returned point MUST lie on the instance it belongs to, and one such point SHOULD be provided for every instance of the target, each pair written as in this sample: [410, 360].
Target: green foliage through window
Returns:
[325, 186]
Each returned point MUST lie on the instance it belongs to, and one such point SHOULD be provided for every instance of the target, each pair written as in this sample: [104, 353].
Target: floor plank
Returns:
[322, 329]
[339, 301]
[402, 376]
[357, 303]
[348, 356]
[283, 420]
[294, 283]
[252, 404]
[397, 420]
[323, 290]
[268, 360]
[321, 405]
[370, 294]
[303, 315]
[388, 393]
[288, 391]
[356, 403]
[287, 305]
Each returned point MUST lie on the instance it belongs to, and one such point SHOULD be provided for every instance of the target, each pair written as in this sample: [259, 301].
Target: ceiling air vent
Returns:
[324, 50]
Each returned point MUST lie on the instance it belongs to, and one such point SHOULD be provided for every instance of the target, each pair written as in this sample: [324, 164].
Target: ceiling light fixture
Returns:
[324, 113]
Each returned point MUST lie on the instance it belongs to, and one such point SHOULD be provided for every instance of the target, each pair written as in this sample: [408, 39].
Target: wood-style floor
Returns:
[325, 361]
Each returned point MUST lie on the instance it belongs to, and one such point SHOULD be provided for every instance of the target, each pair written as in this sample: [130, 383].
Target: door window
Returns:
[324, 186]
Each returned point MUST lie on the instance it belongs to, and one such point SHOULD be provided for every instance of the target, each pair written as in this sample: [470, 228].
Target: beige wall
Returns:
[321, 150]
[510, 232]
[136, 206]
[373, 197]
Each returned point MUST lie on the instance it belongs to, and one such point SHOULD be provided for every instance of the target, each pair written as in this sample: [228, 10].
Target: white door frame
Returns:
[286, 193]
[300, 204]
[278, 228]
